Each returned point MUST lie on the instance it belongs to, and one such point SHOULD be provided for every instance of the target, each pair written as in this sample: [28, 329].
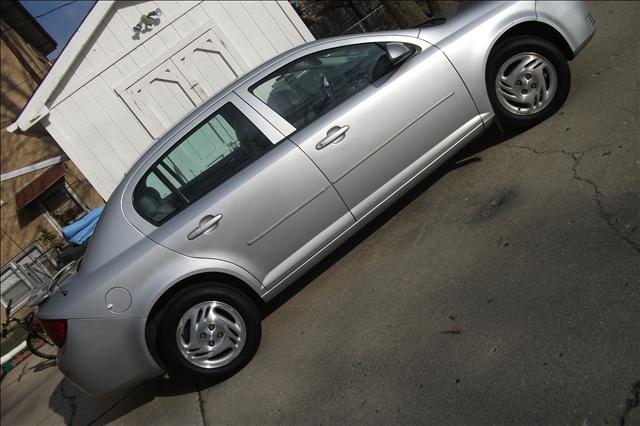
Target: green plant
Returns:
[50, 239]
[67, 216]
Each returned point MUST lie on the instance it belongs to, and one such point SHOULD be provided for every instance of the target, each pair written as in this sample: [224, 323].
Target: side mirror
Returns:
[398, 52]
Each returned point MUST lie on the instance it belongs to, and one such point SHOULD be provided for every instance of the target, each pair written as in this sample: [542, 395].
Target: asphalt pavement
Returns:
[502, 290]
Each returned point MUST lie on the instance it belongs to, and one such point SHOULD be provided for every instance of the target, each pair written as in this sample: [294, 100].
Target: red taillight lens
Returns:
[56, 330]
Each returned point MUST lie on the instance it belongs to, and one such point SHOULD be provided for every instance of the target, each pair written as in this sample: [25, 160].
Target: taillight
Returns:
[56, 330]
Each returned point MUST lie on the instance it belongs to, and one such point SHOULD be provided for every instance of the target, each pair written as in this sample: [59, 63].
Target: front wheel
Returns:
[528, 79]
[209, 330]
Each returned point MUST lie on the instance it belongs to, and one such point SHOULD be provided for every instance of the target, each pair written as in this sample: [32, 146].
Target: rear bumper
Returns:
[105, 355]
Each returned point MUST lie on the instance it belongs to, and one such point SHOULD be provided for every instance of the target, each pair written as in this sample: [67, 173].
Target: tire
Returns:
[553, 66]
[41, 346]
[229, 312]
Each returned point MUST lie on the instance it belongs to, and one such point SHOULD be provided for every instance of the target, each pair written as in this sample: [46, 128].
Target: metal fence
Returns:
[29, 270]
[361, 25]
[329, 18]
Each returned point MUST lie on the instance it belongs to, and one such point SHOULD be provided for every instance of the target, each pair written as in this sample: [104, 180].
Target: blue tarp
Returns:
[78, 232]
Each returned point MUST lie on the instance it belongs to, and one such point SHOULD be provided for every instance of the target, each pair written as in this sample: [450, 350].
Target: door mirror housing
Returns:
[398, 52]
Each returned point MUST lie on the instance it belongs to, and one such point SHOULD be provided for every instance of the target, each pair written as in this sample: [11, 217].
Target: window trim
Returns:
[279, 123]
[268, 128]
[72, 196]
[187, 202]
[252, 86]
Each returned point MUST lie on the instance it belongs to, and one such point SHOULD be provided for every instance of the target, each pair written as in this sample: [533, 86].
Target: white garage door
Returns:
[172, 89]
[161, 97]
[207, 65]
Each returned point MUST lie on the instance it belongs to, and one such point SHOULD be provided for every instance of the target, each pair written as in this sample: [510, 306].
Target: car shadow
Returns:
[467, 155]
[43, 365]
[76, 407]
[39, 366]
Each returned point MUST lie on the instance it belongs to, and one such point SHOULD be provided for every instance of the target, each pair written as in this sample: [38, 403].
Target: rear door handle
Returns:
[207, 225]
[335, 134]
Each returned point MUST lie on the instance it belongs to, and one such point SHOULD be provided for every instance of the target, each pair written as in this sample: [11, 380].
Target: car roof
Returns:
[191, 115]
[243, 78]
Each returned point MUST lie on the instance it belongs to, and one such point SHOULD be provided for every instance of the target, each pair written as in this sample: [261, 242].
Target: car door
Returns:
[230, 187]
[370, 125]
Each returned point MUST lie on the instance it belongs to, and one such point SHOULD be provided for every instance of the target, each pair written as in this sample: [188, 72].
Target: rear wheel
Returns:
[528, 79]
[209, 330]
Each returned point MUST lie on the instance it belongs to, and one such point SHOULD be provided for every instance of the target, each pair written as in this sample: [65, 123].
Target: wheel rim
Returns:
[211, 334]
[526, 83]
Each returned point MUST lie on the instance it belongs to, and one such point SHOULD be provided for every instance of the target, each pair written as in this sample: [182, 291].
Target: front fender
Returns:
[469, 37]
[572, 19]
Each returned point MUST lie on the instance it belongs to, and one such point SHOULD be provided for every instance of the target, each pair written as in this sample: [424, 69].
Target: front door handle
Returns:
[334, 135]
[207, 225]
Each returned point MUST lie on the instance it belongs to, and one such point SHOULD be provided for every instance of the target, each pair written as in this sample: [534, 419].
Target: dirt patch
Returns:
[502, 201]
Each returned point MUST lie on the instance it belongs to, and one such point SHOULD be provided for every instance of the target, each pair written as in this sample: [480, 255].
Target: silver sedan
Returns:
[263, 180]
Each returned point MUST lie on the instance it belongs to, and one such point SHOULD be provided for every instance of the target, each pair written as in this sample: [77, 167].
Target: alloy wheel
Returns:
[526, 83]
[211, 334]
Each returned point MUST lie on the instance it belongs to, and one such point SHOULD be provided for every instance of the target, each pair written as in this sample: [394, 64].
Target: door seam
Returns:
[287, 216]
[366, 157]
[326, 177]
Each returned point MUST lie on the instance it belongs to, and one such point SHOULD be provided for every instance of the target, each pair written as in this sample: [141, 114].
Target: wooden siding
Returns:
[92, 114]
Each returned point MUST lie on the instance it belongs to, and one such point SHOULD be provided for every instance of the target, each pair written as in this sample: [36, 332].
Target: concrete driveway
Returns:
[502, 290]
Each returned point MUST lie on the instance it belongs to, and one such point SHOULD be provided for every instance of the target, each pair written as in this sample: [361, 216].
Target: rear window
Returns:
[223, 144]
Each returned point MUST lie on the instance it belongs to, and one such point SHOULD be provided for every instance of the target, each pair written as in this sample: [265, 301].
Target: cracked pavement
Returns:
[502, 290]
[612, 220]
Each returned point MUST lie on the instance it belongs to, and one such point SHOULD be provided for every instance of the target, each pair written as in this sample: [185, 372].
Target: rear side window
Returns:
[305, 89]
[223, 144]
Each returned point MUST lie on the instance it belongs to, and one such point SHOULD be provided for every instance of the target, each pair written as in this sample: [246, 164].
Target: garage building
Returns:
[133, 69]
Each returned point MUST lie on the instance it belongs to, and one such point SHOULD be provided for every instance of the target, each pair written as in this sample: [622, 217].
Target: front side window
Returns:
[223, 144]
[305, 89]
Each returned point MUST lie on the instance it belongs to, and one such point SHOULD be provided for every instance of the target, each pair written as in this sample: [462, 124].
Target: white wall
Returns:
[124, 91]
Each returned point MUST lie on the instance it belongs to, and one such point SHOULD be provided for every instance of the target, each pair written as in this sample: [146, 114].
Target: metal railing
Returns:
[33, 267]
[360, 22]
